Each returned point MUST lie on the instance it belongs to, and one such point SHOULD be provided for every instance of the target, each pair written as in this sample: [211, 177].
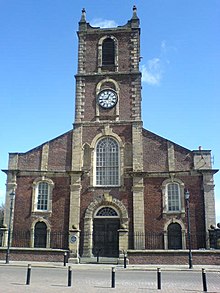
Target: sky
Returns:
[180, 50]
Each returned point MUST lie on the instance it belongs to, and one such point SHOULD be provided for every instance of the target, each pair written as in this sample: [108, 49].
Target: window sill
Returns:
[40, 213]
[173, 213]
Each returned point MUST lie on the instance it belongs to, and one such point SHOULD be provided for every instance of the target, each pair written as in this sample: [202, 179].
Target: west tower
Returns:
[108, 112]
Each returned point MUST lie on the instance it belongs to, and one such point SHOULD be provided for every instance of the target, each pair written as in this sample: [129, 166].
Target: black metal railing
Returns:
[156, 241]
[1, 237]
[150, 240]
[58, 240]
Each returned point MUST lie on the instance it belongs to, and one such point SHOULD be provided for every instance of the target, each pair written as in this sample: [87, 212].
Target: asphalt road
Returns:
[13, 279]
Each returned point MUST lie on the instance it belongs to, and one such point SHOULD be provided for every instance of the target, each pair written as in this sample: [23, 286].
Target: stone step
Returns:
[102, 260]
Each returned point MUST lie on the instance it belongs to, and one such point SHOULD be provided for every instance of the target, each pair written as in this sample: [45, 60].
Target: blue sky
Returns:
[180, 46]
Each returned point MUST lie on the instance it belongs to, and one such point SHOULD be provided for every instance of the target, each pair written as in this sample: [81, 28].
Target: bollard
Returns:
[113, 277]
[204, 280]
[69, 276]
[28, 275]
[125, 261]
[159, 278]
[65, 259]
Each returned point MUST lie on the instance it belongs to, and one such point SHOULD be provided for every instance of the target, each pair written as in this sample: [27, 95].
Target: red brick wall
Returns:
[30, 160]
[23, 217]
[155, 154]
[41, 255]
[144, 258]
[124, 81]
[59, 155]
[153, 204]
[174, 257]
[123, 50]
[123, 131]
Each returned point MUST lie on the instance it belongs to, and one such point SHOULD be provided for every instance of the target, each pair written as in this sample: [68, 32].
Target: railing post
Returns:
[65, 259]
[98, 253]
[28, 279]
[204, 280]
[159, 278]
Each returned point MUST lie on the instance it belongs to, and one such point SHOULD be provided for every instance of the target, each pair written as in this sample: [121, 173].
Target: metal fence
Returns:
[58, 240]
[152, 240]
[156, 241]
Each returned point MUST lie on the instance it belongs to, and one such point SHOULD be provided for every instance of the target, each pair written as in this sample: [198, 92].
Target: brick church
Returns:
[108, 185]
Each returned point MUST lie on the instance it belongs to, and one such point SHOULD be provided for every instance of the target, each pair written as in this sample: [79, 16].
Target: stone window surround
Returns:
[106, 132]
[165, 196]
[106, 216]
[101, 40]
[104, 162]
[40, 219]
[183, 230]
[35, 185]
[99, 202]
[173, 202]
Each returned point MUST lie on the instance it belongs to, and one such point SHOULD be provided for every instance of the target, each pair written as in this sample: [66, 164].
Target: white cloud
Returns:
[152, 72]
[103, 23]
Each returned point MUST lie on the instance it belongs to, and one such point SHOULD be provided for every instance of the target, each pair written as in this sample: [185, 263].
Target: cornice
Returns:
[108, 73]
[146, 174]
[50, 173]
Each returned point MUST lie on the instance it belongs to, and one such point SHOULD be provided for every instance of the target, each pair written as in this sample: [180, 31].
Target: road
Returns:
[13, 279]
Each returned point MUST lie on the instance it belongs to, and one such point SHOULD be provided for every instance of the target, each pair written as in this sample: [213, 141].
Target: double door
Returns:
[105, 237]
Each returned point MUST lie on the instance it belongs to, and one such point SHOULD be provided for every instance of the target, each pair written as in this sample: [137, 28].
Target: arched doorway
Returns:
[40, 235]
[106, 224]
[174, 236]
[93, 212]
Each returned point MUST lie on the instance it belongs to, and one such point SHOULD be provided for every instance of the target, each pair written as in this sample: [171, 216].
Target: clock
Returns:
[107, 98]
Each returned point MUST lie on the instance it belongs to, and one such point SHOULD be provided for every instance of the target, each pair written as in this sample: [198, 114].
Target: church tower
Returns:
[107, 154]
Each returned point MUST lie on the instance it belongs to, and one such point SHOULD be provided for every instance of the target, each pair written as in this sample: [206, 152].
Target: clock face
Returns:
[107, 98]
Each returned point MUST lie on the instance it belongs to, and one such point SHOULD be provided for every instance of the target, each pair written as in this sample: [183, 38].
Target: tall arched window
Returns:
[173, 197]
[107, 162]
[42, 196]
[108, 52]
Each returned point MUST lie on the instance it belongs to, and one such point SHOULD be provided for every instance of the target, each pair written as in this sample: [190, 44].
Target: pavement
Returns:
[98, 266]
[97, 278]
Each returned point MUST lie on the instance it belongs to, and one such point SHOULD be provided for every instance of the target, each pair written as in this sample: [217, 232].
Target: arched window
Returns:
[108, 52]
[174, 236]
[106, 212]
[107, 162]
[42, 196]
[40, 235]
[173, 197]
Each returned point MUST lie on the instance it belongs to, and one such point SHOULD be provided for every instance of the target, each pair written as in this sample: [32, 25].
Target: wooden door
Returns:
[105, 237]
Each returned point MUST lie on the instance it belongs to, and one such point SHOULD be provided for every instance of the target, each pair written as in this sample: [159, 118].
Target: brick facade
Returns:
[147, 164]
